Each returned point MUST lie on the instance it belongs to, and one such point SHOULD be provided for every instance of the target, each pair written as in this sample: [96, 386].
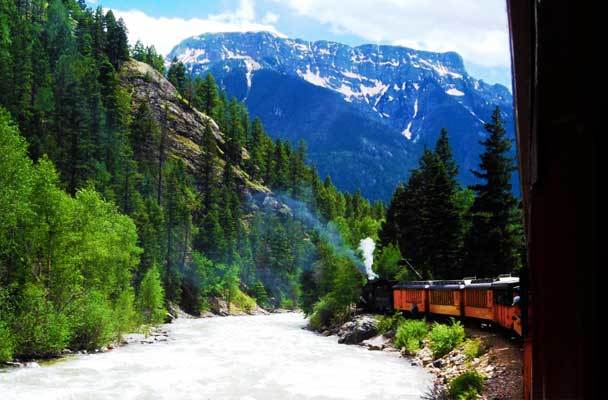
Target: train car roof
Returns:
[413, 285]
[447, 285]
[504, 282]
[485, 283]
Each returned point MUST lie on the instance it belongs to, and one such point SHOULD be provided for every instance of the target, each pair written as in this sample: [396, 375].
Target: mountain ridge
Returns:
[391, 101]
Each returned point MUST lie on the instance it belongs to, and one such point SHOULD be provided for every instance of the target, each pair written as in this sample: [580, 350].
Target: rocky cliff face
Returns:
[183, 124]
[366, 112]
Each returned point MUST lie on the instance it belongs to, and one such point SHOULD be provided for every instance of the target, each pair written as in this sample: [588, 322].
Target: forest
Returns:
[103, 229]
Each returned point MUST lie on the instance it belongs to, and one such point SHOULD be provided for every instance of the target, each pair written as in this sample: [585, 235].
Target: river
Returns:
[232, 358]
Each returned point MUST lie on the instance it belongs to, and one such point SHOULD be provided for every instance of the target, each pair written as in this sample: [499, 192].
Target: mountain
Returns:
[366, 112]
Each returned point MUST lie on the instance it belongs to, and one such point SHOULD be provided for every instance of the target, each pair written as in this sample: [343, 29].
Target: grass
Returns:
[466, 386]
[387, 323]
[410, 334]
[444, 338]
[243, 302]
[474, 348]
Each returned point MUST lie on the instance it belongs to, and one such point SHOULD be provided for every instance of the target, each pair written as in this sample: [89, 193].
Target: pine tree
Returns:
[211, 96]
[445, 254]
[491, 244]
[444, 151]
[117, 45]
[177, 75]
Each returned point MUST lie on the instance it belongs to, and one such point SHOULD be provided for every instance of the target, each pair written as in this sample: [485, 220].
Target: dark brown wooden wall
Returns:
[558, 156]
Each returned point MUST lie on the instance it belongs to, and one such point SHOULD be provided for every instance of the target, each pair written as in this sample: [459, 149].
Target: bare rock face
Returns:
[182, 124]
[218, 307]
[361, 328]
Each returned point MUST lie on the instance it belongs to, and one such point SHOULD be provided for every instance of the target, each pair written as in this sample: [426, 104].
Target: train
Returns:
[491, 300]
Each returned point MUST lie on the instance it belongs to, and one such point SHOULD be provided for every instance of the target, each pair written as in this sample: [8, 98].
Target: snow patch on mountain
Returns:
[454, 92]
[314, 78]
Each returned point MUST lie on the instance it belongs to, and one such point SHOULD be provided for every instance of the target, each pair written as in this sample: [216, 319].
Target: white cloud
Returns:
[165, 33]
[270, 18]
[476, 29]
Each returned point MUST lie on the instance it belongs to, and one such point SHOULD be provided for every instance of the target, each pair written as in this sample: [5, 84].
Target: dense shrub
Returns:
[242, 301]
[42, 329]
[474, 348]
[260, 294]
[388, 323]
[466, 386]
[92, 322]
[443, 338]
[287, 303]
[7, 341]
[125, 316]
[410, 334]
[7, 345]
[324, 313]
[151, 297]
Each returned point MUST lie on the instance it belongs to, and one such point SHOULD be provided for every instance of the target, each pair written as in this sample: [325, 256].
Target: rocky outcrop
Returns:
[183, 124]
[359, 329]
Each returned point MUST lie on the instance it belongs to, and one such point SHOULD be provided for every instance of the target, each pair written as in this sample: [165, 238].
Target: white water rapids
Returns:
[231, 358]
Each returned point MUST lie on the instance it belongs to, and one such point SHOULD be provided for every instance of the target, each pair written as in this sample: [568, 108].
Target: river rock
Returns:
[379, 342]
[358, 330]
[218, 307]
[14, 364]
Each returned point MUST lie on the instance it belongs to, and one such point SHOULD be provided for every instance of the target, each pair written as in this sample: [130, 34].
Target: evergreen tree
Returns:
[492, 242]
[117, 45]
[177, 75]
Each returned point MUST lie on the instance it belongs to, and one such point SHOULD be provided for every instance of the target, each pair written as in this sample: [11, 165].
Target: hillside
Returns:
[183, 124]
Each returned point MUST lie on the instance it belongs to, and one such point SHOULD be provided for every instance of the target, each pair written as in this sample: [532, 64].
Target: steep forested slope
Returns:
[119, 197]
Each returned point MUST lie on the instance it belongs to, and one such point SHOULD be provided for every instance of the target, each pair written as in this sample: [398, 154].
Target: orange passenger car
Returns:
[506, 309]
[479, 299]
[411, 296]
[445, 298]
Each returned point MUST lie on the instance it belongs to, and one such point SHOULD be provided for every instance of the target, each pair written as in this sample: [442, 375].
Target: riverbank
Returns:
[496, 357]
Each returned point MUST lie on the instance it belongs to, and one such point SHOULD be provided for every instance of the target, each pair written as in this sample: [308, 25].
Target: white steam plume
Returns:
[367, 247]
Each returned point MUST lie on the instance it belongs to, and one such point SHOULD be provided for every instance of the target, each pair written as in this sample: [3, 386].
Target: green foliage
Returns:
[444, 338]
[125, 317]
[287, 304]
[494, 241]
[466, 386]
[242, 301]
[103, 218]
[474, 348]
[92, 322]
[424, 218]
[410, 334]
[260, 294]
[149, 56]
[387, 323]
[42, 329]
[387, 262]
[7, 346]
[7, 340]
[324, 313]
[150, 298]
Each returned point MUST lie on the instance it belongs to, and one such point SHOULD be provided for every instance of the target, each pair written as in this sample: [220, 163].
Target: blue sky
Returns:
[477, 29]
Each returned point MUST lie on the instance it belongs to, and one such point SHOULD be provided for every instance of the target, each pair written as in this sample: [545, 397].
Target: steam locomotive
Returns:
[493, 300]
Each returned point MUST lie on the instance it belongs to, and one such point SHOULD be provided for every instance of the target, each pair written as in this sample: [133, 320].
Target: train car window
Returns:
[476, 298]
[503, 297]
[442, 297]
[413, 296]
